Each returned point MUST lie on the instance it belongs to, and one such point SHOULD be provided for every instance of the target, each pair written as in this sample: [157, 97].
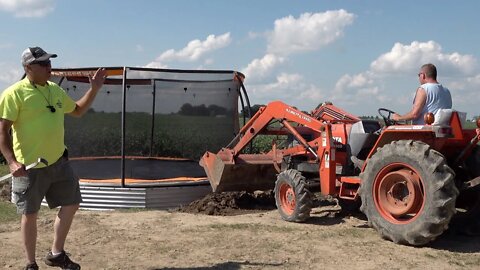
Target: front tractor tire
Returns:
[293, 199]
[408, 192]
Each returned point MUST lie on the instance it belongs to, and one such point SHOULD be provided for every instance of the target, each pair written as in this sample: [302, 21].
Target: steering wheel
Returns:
[387, 117]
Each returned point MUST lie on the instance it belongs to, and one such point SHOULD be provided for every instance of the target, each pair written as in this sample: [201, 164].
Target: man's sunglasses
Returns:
[42, 63]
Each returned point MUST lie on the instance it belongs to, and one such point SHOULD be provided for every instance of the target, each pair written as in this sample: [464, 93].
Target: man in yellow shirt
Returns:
[33, 109]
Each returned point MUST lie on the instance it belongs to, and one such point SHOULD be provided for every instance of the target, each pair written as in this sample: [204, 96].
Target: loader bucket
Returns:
[224, 176]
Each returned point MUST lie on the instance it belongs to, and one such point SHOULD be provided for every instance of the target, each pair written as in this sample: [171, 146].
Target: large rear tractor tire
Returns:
[408, 192]
[293, 199]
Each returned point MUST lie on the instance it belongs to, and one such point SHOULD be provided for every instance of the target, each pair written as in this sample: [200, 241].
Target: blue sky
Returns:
[361, 55]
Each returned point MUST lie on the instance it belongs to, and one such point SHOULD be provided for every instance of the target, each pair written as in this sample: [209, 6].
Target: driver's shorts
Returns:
[57, 183]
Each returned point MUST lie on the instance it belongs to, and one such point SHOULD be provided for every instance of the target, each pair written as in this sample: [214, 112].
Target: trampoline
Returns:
[140, 142]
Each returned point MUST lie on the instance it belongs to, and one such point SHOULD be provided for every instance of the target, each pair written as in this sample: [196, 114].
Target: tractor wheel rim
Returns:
[287, 198]
[398, 193]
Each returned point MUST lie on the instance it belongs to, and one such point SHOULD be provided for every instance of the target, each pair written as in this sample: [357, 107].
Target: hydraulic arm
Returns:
[229, 169]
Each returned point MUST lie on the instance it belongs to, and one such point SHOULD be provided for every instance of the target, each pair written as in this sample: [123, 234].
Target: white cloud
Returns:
[208, 62]
[28, 8]
[355, 81]
[475, 81]
[156, 64]
[277, 89]
[309, 32]
[379, 85]
[289, 88]
[409, 58]
[362, 87]
[196, 49]
[465, 93]
[9, 74]
[311, 96]
[259, 68]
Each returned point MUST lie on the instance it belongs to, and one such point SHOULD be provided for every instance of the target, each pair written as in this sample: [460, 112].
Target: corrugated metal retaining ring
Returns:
[151, 197]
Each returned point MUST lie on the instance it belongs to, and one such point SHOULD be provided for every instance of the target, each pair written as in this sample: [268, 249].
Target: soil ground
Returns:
[235, 231]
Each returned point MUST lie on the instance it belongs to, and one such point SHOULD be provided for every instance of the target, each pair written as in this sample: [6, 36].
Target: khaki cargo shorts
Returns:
[57, 183]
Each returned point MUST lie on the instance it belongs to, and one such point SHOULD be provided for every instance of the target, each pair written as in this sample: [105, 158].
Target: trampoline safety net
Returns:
[172, 114]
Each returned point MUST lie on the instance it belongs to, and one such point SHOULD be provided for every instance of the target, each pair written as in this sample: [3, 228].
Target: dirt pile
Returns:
[231, 203]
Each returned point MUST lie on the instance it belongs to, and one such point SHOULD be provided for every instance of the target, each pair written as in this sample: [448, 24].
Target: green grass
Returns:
[8, 212]
[4, 170]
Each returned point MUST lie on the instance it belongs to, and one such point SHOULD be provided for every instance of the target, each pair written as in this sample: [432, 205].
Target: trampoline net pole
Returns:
[124, 101]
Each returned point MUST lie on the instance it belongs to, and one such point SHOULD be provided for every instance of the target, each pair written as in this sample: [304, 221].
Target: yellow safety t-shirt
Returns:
[36, 131]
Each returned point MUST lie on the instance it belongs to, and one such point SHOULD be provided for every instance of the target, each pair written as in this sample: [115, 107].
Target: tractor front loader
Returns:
[410, 180]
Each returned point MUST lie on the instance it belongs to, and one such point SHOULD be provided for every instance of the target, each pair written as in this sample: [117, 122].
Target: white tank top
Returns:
[438, 97]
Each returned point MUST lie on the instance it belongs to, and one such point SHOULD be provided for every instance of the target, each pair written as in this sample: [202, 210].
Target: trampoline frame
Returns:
[81, 74]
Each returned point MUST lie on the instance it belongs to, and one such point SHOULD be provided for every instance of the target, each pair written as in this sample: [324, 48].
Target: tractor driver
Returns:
[430, 97]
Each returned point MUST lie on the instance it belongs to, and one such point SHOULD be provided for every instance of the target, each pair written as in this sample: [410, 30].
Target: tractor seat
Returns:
[443, 116]
[363, 136]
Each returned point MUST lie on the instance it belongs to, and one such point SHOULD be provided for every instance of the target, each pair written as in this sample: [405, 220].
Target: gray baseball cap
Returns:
[35, 54]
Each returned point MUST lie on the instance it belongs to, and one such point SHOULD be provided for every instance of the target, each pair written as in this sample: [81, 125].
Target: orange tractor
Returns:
[411, 181]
